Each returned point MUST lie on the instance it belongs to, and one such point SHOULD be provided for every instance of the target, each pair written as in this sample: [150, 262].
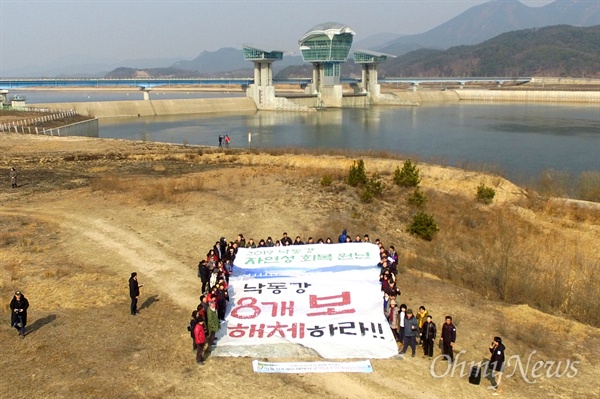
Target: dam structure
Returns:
[326, 46]
[262, 90]
[369, 83]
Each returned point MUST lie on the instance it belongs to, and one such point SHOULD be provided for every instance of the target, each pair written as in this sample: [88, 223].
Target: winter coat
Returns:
[394, 317]
[429, 330]
[342, 237]
[134, 288]
[448, 333]
[204, 271]
[222, 298]
[199, 334]
[22, 304]
[218, 251]
[411, 327]
[213, 320]
[497, 359]
[422, 317]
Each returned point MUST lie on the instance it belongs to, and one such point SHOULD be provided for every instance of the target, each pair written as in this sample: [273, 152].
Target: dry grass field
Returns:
[88, 212]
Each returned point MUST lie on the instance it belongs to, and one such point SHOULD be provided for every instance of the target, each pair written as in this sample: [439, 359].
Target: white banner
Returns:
[330, 308]
[363, 366]
[308, 257]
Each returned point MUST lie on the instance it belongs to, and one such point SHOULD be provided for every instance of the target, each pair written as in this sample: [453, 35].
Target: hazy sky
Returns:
[49, 32]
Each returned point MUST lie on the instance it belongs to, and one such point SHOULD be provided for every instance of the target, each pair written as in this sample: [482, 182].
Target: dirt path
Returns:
[95, 238]
[124, 248]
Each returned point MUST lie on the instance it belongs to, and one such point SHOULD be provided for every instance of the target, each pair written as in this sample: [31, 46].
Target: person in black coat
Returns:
[428, 335]
[285, 240]
[448, 339]
[204, 274]
[134, 292]
[18, 315]
[497, 362]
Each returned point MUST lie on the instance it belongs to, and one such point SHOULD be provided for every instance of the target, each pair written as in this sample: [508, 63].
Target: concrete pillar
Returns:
[331, 96]
[257, 73]
[374, 87]
[265, 73]
[365, 77]
[3, 97]
[373, 78]
[270, 75]
[316, 78]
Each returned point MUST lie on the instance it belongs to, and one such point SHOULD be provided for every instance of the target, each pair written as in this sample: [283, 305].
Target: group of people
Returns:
[286, 240]
[214, 272]
[224, 141]
[410, 330]
[408, 327]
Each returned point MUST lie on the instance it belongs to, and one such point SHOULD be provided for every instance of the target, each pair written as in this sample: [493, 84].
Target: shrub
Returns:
[366, 196]
[373, 188]
[423, 226]
[326, 181]
[417, 198]
[485, 194]
[375, 185]
[408, 176]
[357, 176]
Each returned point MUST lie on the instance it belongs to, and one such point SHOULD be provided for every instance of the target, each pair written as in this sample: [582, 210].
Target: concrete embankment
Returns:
[108, 109]
[425, 96]
[240, 105]
[529, 96]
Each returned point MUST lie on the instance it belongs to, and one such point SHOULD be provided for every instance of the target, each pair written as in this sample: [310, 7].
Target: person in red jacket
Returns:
[200, 339]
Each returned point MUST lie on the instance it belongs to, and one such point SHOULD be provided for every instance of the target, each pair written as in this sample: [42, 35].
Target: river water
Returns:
[519, 140]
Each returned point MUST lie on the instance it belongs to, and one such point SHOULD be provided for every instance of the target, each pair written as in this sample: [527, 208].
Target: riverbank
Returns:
[552, 96]
[88, 212]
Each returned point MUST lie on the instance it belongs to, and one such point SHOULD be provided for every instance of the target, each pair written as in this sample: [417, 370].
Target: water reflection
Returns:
[520, 139]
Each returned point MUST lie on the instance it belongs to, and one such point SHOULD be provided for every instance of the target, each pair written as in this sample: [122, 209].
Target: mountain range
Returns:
[557, 51]
[488, 20]
[475, 25]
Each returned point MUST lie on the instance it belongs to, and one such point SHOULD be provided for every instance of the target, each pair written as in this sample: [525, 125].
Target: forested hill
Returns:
[551, 51]
[556, 51]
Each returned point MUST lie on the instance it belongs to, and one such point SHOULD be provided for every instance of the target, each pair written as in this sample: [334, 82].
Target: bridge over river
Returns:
[147, 83]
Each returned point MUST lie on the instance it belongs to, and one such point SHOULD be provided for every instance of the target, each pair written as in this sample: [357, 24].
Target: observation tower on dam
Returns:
[326, 46]
[262, 90]
[262, 58]
[369, 60]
